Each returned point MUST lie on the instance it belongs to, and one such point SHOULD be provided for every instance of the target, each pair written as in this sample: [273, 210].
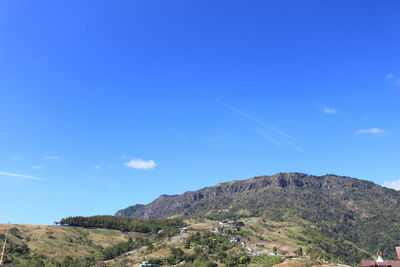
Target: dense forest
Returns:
[168, 226]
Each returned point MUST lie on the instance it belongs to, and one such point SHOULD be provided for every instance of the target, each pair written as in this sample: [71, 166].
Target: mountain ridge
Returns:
[329, 206]
[282, 180]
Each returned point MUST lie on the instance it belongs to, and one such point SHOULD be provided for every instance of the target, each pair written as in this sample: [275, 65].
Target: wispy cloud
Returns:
[393, 78]
[373, 131]
[271, 133]
[16, 158]
[393, 184]
[141, 164]
[52, 157]
[37, 167]
[330, 110]
[97, 167]
[21, 176]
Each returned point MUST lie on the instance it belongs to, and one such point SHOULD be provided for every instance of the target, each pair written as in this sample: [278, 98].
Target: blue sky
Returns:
[105, 104]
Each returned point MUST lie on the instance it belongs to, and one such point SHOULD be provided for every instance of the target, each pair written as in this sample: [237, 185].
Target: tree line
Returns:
[125, 224]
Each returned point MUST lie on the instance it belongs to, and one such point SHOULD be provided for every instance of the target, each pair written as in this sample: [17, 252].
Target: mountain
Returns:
[257, 222]
[352, 198]
[349, 209]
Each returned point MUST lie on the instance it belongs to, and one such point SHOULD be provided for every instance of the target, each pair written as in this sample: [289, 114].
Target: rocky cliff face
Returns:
[280, 195]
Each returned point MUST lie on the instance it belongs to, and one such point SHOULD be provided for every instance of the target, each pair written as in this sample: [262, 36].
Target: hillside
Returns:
[43, 245]
[289, 219]
[353, 211]
[82, 241]
[203, 243]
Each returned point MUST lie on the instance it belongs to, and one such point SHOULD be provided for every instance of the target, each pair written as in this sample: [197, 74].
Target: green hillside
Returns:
[252, 241]
[258, 222]
[354, 213]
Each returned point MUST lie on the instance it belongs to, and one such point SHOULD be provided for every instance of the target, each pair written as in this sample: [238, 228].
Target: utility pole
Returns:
[2, 252]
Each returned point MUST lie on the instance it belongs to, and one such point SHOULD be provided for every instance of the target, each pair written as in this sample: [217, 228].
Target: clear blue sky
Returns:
[105, 104]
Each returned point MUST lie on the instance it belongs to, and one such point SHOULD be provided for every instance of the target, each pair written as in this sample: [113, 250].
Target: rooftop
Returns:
[381, 262]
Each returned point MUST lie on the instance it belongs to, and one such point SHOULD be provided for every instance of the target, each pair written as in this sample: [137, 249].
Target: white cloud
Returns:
[393, 78]
[20, 176]
[141, 164]
[97, 167]
[52, 157]
[329, 110]
[37, 167]
[393, 184]
[371, 131]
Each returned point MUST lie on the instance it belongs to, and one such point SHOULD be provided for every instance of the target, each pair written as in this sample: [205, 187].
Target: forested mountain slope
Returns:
[349, 209]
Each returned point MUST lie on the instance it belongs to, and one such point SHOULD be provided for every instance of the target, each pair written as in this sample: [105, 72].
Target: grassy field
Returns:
[106, 233]
[57, 242]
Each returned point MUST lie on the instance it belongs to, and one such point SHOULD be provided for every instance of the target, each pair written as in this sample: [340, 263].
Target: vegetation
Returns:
[207, 249]
[352, 218]
[216, 247]
[319, 219]
[51, 246]
[169, 226]
[267, 260]
[112, 252]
